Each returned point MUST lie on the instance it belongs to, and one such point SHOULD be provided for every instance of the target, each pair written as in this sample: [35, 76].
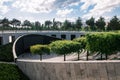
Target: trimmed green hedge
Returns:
[40, 49]
[64, 47]
[11, 72]
[6, 52]
[97, 42]
[82, 41]
[104, 43]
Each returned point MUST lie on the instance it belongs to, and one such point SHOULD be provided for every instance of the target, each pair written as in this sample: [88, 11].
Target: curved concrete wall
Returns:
[84, 70]
[23, 43]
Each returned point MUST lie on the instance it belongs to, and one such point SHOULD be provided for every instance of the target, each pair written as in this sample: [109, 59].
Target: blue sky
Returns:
[41, 10]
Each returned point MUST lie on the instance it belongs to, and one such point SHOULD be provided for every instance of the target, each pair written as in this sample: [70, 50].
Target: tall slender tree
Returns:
[48, 24]
[91, 22]
[114, 24]
[78, 23]
[27, 24]
[5, 22]
[15, 22]
[100, 23]
[66, 25]
[37, 25]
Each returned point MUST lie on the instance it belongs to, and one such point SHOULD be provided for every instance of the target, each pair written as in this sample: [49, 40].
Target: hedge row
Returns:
[40, 49]
[60, 47]
[64, 47]
[11, 72]
[103, 43]
[6, 52]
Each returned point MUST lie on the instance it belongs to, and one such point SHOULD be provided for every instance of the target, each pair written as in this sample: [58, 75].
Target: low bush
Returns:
[11, 72]
[6, 52]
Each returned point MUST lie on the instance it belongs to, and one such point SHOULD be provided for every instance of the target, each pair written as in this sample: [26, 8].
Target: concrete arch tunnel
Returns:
[22, 44]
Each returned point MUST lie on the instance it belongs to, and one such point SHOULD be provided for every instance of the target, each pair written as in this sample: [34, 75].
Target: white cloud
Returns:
[32, 19]
[4, 8]
[101, 7]
[43, 6]
[34, 6]
[87, 3]
[64, 12]
[65, 3]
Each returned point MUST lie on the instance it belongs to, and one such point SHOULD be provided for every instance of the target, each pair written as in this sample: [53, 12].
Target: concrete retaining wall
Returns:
[85, 70]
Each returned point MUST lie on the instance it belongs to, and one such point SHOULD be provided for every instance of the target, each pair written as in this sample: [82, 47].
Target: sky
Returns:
[42, 10]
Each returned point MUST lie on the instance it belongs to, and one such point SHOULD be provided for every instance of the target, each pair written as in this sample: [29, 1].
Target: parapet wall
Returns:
[75, 70]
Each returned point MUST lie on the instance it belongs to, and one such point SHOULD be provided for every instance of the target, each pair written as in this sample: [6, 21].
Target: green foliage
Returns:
[64, 47]
[78, 23]
[100, 23]
[48, 23]
[106, 43]
[91, 23]
[40, 49]
[11, 72]
[7, 24]
[66, 25]
[82, 41]
[114, 24]
[6, 52]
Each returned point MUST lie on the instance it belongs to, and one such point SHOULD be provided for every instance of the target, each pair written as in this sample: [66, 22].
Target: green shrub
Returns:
[104, 43]
[82, 41]
[11, 72]
[64, 47]
[40, 49]
[6, 52]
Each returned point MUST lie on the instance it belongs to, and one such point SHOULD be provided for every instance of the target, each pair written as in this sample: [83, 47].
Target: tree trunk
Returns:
[101, 56]
[87, 55]
[78, 55]
[106, 56]
[41, 57]
[64, 57]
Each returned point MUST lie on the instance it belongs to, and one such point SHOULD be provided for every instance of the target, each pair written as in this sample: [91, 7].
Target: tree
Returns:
[5, 23]
[78, 23]
[66, 25]
[91, 23]
[100, 23]
[114, 24]
[40, 49]
[82, 41]
[64, 47]
[56, 24]
[15, 22]
[48, 24]
[103, 43]
[37, 25]
[27, 24]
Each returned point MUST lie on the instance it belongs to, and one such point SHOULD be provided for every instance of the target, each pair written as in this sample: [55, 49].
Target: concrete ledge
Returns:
[71, 70]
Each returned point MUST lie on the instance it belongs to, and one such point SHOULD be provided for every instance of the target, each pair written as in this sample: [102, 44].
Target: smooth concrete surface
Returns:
[6, 34]
[70, 70]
